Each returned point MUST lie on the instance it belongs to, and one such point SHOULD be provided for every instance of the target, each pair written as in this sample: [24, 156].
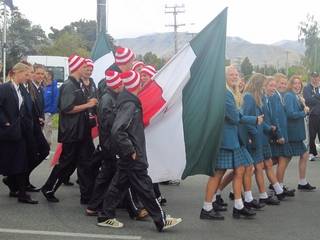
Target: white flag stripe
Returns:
[166, 128]
[175, 74]
[101, 65]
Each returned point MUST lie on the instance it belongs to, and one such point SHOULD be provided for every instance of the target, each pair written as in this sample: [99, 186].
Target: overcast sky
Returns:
[258, 21]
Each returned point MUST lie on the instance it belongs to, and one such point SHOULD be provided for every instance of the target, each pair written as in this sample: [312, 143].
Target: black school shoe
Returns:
[211, 215]
[281, 196]
[27, 199]
[270, 201]
[218, 208]
[254, 204]
[288, 192]
[220, 201]
[306, 187]
[245, 212]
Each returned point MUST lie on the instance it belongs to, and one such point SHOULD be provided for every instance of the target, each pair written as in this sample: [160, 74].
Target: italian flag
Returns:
[184, 134]
[102, 55]
[184, 106]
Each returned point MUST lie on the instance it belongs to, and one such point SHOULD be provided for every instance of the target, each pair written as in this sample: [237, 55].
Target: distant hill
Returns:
[162, 44]
[291, 45]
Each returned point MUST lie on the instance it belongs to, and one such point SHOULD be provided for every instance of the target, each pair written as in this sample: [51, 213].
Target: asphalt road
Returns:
[295, 219]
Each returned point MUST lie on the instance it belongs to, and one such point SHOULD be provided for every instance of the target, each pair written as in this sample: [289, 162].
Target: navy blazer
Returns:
[279, 116]
[255, 132]
[233, 117]
[295, 114]
[312, 96]
[268, 119]
[10, 113]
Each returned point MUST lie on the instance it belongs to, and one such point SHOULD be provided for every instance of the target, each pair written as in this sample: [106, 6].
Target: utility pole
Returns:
[101, 16]
[175, 10]
[315, 68]
[287, 64]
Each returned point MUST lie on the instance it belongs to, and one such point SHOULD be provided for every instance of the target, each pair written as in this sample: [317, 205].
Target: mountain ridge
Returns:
[277, 54]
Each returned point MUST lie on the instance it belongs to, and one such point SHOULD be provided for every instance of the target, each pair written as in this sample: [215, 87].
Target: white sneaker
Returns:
[171, 222]
[113, 223]
[312, 157]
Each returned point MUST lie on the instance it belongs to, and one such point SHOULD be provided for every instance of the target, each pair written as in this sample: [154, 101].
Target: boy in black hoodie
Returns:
[128, 135]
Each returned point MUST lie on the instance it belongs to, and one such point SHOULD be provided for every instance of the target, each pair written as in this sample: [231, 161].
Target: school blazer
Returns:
[256, 133]
[295, 115]
[267, 120]
[279, 116]
[233, 117]
[10, 113]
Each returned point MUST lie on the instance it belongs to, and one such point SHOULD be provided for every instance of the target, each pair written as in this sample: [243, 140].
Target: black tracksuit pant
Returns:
[102, 182]
[74, 155]
[314, 130]
[141, 183]
[128, 198]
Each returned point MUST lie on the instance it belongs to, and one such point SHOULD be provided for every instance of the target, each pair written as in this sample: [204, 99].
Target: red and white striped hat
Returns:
[75, 62]
[123, 55]
[131, 80]
[149, 70]
[89, 62]
[137, 64]
[113, 79]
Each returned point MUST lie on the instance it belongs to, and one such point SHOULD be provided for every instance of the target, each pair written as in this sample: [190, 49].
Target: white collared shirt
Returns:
[20, 98]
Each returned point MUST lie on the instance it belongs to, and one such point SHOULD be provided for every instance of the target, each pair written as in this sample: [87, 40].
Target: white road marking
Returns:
[69, 234]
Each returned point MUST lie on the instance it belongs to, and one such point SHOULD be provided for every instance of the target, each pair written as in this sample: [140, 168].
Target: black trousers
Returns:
[129, 199]
[141, 183]
[41, 152]
[17, 183]
[156, 189]
[74, 155]
[314, 130]
[107, 170]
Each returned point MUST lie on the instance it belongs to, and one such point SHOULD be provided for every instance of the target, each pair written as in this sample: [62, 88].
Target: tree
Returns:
[23, 38]
[246, 68]
[67, 44]
[268, 70]
[298, 70]
[152, 59]
[309, 34]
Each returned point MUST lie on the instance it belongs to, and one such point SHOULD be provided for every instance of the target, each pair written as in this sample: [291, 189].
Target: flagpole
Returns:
[4, 42]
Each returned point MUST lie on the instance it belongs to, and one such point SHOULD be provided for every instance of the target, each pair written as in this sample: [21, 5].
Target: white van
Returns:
[58, 65]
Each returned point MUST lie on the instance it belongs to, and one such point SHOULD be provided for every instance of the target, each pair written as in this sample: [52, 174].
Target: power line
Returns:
[175, 10]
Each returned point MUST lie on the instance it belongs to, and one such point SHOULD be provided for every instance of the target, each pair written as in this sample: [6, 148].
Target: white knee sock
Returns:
[238, 203]
[263, 195]
[214, 198]
[303, 181]
[207, 206]
[278, 188]
[248, 196]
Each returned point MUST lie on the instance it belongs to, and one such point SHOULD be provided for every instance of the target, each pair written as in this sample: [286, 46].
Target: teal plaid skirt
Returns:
[298, 148]
[230, 159]
[281, 150]
[267, 154]
[256, 154]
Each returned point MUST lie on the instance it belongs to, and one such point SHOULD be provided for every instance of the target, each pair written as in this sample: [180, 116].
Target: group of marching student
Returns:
[115, 173]
[264, 125]
[23, 145]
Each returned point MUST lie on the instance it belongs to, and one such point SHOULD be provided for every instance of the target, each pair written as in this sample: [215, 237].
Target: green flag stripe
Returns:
[101, 47]
[204, 98]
